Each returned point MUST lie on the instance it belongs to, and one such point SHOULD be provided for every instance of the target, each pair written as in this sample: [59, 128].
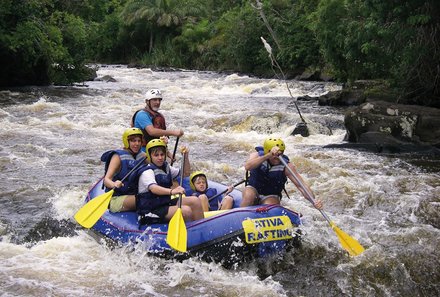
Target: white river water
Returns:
[51, 141]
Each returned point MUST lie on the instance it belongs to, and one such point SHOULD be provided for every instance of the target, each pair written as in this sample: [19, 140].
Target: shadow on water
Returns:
[305, 271]
[427, 158]
[27, 95]
[426, 163]
[318, 271]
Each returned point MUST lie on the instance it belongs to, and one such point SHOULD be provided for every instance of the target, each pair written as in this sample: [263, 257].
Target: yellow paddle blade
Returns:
[177, 236]
[351, 245]
[211, 213]
[90, 213]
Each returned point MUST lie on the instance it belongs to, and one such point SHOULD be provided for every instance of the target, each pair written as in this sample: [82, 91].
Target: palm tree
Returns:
[159, 14]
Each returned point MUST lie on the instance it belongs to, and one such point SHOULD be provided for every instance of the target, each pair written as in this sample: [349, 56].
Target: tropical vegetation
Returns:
[398, 42]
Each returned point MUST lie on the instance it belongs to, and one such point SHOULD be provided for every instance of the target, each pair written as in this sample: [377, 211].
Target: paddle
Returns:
[215, 196]
[90, 213]
[177, 233]
[351, 245]
[174, 152]
[211, 213]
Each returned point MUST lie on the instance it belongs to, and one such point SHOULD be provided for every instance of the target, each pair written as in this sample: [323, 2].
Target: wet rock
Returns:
[359, 92]
[394, 127]
[342, 98]
[106, 78]
[314, 75]
[374, 122]
[305, 98]
[49, 228]
[301, 129]
[309, 75]
[90, 73]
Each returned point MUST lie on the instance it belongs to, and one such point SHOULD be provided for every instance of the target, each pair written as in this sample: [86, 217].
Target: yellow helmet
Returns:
[154, 143]
[129, 132]
[269, 143]
[193, 176]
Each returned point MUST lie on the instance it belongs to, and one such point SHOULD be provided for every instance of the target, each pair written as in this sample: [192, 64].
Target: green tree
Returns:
[107, 41]
[87, 10]
[28, 45]
[330, 33]
[199, 43]
[238, 43]
[40, 45]
[160, 17]
[69, 67]
[288, 27]
[193, 44]
[416, 49]
[397, 41]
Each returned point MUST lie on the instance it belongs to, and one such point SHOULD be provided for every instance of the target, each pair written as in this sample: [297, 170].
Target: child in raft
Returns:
[208, 196]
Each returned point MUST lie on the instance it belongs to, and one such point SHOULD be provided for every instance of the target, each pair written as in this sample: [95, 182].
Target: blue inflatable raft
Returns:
[233, 236]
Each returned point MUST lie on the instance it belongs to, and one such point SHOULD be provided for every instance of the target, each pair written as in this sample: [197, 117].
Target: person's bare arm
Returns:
[255, 159]
[156, 132]
[187, 164]
[113, 168]
[162, 191]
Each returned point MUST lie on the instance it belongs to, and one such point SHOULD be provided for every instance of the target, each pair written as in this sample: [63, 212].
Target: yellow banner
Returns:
[267, 229]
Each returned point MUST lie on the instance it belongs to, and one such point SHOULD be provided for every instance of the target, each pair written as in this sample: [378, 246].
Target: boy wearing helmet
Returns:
[118, 164]
[150, 120]
[199, 184]
[154, 201]
[268, 175]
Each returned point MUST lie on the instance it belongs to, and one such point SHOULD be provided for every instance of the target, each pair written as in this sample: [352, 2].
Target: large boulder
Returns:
[345, 97]
[106, 78]
[397, 127]
[359, 92]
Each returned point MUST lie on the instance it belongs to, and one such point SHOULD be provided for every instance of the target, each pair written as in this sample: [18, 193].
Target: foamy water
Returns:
[52, 139]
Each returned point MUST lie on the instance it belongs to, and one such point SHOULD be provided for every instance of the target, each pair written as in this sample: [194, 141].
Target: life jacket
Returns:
[148, 201]
[211, 192]
[157, 119]
[268, 179]
[128, 162]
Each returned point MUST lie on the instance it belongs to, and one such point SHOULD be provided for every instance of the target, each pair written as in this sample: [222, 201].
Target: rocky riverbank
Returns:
[375, 122]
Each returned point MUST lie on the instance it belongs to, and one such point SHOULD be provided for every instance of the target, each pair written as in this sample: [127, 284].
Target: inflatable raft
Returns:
[233, 236]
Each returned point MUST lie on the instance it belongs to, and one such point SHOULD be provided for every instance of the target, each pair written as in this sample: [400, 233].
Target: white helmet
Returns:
[153, 94]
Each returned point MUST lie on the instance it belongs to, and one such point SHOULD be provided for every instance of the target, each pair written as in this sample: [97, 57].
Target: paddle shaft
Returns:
[90, 213]
[308, 195]
[177, 237]
[215, 196]
[133, 169]
[351, 245]
[174, 152]
[182, 168]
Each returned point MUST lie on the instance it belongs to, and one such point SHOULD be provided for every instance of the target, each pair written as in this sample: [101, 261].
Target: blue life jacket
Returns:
[268, 179]
[128, 162]
[148, 201]
[211, 192]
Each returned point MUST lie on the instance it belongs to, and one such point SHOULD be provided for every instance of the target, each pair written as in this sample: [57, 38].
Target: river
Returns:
[52, 139]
